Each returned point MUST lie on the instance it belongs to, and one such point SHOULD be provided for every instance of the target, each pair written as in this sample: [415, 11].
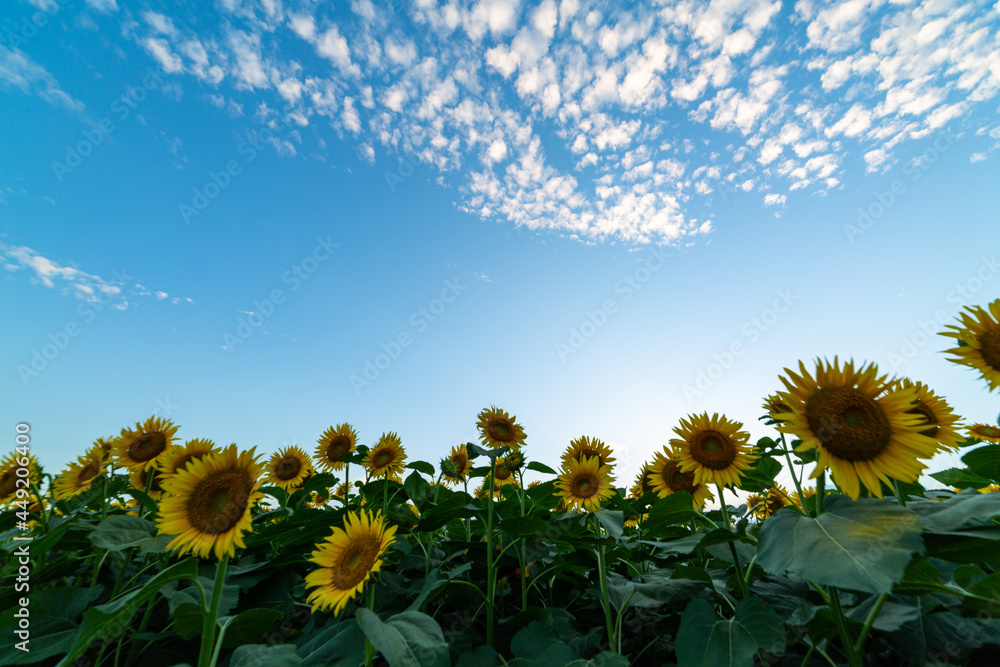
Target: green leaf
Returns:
[602, 659]
[704, 640]
[921, 577]
[760, 477]
[122, 531]
[539, 644]
[341, 644]
[968, 509]
[988, 587]
[541, 467]
[417, 489]
[147, 503]
[984, 461]
[677, 508]
[862, 545]
[961, 478]
[422, 466]
[891, 617]
[493, 454]
[481, 656]
[258, 655]
[612, 520]
[408, 639]
[249, 625]
[53, 627]
[111, 620]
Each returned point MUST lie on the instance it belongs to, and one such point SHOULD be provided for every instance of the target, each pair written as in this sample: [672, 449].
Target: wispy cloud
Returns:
[19, 71]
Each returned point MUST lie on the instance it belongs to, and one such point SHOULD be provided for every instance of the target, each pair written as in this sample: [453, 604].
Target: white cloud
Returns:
[161, 52]
[774, 199]
[977, 157]
[19, 71]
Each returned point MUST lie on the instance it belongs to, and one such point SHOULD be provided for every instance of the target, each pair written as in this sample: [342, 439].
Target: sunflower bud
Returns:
[449, 469]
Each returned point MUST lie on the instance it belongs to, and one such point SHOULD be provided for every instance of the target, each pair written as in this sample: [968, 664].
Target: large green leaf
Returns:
[422, 466]
[612, 520]
[481, 656]
[263, 655]
[969, 509]
[677, 508]
[760, 477]
[250, 625]
[110, 620]
[541, 467]
[984, 461]
[538, 644]
[705, 640]
[408, 639]
[417, 489]
[341, 644]
[53, 627]
[961, 478]
[122, 531]
[860, 545]
[602, 659]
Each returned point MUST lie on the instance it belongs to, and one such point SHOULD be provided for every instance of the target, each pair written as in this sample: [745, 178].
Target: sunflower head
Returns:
[713, 448]
[979, 341]
[347, 559]
[859, 425]
[318, 499]
[177, 457]
[288, 468]
[985, 432]
[12, 468]
[498, 429]
[386, 459]
[514, 461]
[147, 480]
[209, 503]
[666, 477]
[775, 408]
[584, 484]
[79, 477]
[772, 501]
[335, 442]
[941, 421]
[642, 484]
[142, 446]
[589, 447]
[456, 467]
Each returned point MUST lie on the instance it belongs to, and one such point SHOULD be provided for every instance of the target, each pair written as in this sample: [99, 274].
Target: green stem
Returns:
[859, 645]
[133, 651]
[126, 558]
[41, 507]
[820, 492]
[899, 492]
[491, 583]
[98, 562]
[732, 545]
[347, 484]
[791, 471]
[523, 553]
[208, 627]
[845, 637]
[369, 647]
[104, 498]
[602, 578]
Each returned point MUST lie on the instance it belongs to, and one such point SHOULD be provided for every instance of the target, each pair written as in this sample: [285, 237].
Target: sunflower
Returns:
[992, 488]
[177, 458]
[979, 341]
[347, 559]
[755, 502]
[502, 474]
[807, 493]
[862, 430]
[942, 422]
[587, 446]
[140, 478]
[713, 448]
[984, 432]
[456, 467]
[386, 458]
[9, 468]
[79, 477]
[642, 485]
[318, 499]
[498, 429]
[209, 502]
[775, 408]
[772, 501]
[514, 461]
[107, 446]
[585, 484]
[341, 491]
[288, 467]
[665, 477]
[335, 442]
[143, 445]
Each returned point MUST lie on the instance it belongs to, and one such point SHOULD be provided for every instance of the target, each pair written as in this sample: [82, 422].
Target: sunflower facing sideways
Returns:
[387, 458]
[984, 432]
[979, 341]
[140, 447]
[208, 504]
[79, 477]
[9, 467]
[584, 484]
[177, 457]
[334, 443]
[288, 468]
[456, 467]
[642, 484]
[713, 448]
[666, 477]
[861, 429]
[942, 422]
[587, 446]
[498, 429]
[347, 559]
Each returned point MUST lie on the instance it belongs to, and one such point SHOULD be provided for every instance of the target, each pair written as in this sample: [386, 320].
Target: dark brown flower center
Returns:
[502, 472]
[584, 485]
[355, 563]
[339, 445]
[461, 463]
[88, 472]
[847, 423]
[185, 459]
[147, 446]
[219, 501]
[154, 486]
[979, 429]
[644, 482]
[922, 409]
[989, 346]
[713, 450]
[383, 458]
[8, 482]
[288, 468]
[678, 480]
[501, 430]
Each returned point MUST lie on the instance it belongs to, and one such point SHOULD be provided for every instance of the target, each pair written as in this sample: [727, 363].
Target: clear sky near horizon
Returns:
[262, 218]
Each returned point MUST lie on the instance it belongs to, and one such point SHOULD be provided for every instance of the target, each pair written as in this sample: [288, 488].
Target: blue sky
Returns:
[599, 217]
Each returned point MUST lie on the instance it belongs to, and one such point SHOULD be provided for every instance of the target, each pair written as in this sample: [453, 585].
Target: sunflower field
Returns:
[149, 550]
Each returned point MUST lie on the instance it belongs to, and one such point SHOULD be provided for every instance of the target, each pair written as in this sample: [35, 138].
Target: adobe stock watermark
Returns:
[420, 320]
[121, 108]
[60, 339]
[29, 26]
[884, 199]
[626, 288]
[926, 330]
[750, 332]
[295, 276]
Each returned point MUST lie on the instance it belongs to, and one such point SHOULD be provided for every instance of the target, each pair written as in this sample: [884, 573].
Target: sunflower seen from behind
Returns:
[141, 446]
[584, 484]
[498, 429]
[386, 459]
[861, 428]
[666, 478]
[590, 447]
[713, 448]
[79, 477]
[208, 503]
[347, 559]
[288, 468]
[979, 341]
[335, 442]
